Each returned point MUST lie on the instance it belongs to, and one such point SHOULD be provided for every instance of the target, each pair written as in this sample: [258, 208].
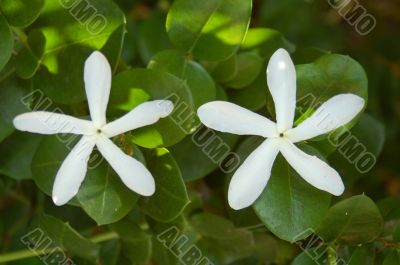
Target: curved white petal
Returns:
[281, 79]
[145, 114]
[227, 117]
[97, 76]
[334, 113]
[72, 171]
[51, 123]
[132, 173]
[312, 169]
[252, 176]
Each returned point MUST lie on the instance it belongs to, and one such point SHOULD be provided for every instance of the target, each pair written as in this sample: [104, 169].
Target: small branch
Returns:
[28, 253]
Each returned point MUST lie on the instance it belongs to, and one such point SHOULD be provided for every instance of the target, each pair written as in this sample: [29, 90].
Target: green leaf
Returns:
[211, 30]
[328, 76]
[110, 252]
[7, 42]
[14, 100]
[132, 87]
[309, 257]
[393, 258]
[171, 196]
[136, 244]
[17, 154]
[265, 42]
[204, 151]
[21, 13]
[200, 83]
[152, 36]
[28, 59]
[73, 29]
[362, 256]
[249, 67]
[290, 207]
[226, 70]
[396, 233]
[389, 208]
[357, 150]
[252, 97]
[102, 194]
[220, 239]
[65, 237]
[305, 55]
[198, 158]
[265, 247]
[352, 221]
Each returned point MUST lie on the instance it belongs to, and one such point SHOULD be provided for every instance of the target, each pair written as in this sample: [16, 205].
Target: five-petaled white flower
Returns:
[252, 176]
[97, 77]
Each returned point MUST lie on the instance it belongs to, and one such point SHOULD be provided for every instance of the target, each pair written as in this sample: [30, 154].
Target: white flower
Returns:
[97, 77]
[252, 176]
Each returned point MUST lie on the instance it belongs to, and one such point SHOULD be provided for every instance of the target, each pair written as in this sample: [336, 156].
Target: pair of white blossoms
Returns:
[249, 180]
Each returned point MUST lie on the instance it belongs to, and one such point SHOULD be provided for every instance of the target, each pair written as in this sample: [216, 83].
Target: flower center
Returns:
[281, 135]
[98, 131]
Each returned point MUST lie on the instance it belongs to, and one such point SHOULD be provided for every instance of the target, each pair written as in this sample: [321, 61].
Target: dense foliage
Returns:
[193, 52]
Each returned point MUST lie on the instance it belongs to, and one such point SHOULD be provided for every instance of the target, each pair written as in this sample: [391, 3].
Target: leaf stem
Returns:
[30, 253]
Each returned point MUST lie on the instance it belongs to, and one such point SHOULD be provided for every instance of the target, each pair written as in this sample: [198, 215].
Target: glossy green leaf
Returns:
[171, 196]
[73, 29]
[199, 157]
[7, 42]
[304, 55]
[328, 76]
[200, 83]
[211, 30]
[249, 67]
[64, 236]
[226, 70]
[357, 150]
[352, 221]
[14, 99]
[102, 194]
[289, 207]
[21, 13]
[132, 87]
[252, 97]
[265, 42]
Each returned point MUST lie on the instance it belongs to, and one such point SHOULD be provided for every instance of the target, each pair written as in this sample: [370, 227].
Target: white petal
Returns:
[72, 171]
[145, 114]
[252, 176]
[132, 173]
[227, 117]
[50, 123]
[312, 169]
[97, 76]
[281, 78]
[334, 113]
